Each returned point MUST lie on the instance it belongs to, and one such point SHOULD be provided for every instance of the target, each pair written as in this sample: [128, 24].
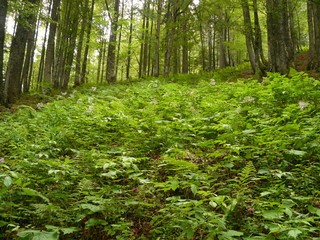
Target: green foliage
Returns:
[179, 158]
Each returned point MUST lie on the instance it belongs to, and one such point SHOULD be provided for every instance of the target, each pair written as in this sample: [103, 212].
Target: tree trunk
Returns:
[277, 36]
[185, 49]
[86, 50]
[17, 53]
[50, 53]
[84, 9]
[314, 35]
[111, 63]
[119, 41]
[156, 65]
[248, 32]
[3, 16]
[32, 38]
[130, 43]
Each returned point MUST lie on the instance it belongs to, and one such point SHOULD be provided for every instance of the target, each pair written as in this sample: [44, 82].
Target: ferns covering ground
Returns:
[188, 157]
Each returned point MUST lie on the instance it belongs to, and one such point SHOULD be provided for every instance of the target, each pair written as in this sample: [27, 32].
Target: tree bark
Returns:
[17, 53]
[84, 9]
[130, 43]
[86, 50]
[50, 53]
[3, 16]
[277, 36]
[111, 59]
[156, 65]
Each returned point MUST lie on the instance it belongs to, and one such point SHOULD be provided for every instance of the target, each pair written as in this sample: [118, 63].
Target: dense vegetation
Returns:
[187, 157]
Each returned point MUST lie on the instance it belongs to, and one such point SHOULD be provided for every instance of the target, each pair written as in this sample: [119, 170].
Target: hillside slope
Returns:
[165, 159]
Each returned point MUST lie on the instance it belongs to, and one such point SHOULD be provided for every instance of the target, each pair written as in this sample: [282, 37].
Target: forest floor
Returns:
[190, 157]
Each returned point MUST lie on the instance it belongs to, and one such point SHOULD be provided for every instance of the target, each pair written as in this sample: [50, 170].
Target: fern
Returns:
[246, 176]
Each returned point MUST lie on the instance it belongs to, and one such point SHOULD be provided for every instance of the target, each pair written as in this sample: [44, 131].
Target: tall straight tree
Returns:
[50, 54]
[68, 29]
[278, 36]
[111, 59]
[84, 18]
[156, 64]
[130, 43]
[86, 49]
[17, 52]
[314, 34]
[3, 16]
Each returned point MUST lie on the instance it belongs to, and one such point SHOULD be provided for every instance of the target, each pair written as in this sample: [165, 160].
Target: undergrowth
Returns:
[187, 157]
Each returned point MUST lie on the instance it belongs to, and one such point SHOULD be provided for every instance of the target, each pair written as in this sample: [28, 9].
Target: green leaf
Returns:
[91, 207]
[213, 204]
[232, 233]
[95, 221]
[110, 174]
[294, 233]
[296, 152]
[314, 210]
[38, 235]
[69, 230]
[194, 189]
[7, 181]
[272, 214]
[30, 192]
[34, 193]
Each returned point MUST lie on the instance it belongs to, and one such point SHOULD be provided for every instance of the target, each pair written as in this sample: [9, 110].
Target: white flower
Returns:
[63, 93]
[90, 100]
[302, 105]
[212, 82]
[40, 105]
[80, 100]
[90, 109]
[94, 89]
[248, 99]
[1, 160]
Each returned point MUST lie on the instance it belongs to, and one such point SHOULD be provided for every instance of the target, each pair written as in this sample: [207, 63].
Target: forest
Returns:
[159, 119]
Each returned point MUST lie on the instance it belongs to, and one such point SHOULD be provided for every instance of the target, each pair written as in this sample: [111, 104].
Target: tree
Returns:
[314, 34]
[3, 15]
[13, 82]
[50, 51]
[278, 36]
[111, 59]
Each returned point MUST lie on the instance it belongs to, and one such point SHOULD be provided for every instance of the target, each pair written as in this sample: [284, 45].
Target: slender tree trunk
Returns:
[50, 53]
[156, 65]
[32, 38]
[314, 35]
[203, 49]
[146, 40]
[17, 53]
[111, 63]
[42, 62]
[104, 51]
[277, 36]
[143, 34]
[185, 49]
[119, 40]
[249, 35]
[84, 11]
[130, 43]
[86, 50]
[3, 16]
[257, 36]
[100, 60]
[169, 38]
